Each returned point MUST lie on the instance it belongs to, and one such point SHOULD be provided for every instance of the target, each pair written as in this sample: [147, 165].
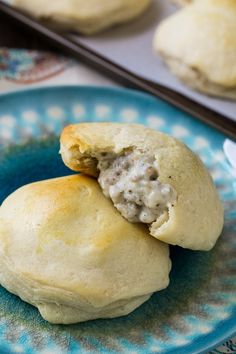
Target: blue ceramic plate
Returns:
[198, 310]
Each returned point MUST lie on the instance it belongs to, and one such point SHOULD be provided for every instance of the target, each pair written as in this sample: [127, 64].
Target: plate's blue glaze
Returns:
[198, 310]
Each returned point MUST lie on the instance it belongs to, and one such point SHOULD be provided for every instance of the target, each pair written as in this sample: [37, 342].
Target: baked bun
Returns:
[199, 45]
[65, 249]
[151, 178]
[85, 16]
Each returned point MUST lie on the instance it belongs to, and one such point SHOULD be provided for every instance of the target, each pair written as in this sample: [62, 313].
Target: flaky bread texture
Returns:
[195, 220]
[85, 16]
[199, 45]
[65, 249]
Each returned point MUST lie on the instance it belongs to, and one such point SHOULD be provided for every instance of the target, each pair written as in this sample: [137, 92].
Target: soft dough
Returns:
[85, 16]
[199, 45]
[194, 217]
[66, 250]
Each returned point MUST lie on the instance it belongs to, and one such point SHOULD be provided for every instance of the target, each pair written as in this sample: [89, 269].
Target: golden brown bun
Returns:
[195, 220]
[85, 16]
[65, 249]
[199, 45]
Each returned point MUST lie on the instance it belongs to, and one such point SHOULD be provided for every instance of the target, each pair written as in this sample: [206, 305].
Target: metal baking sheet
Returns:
[130, 46]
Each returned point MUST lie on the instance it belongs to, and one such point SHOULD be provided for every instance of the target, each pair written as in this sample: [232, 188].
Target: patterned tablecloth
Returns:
[23, 69]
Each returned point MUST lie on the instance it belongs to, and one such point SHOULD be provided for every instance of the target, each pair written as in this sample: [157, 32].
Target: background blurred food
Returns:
[90, 16]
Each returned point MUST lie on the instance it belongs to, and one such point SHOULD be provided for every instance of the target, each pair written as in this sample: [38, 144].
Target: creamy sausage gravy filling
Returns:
[131, 181]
